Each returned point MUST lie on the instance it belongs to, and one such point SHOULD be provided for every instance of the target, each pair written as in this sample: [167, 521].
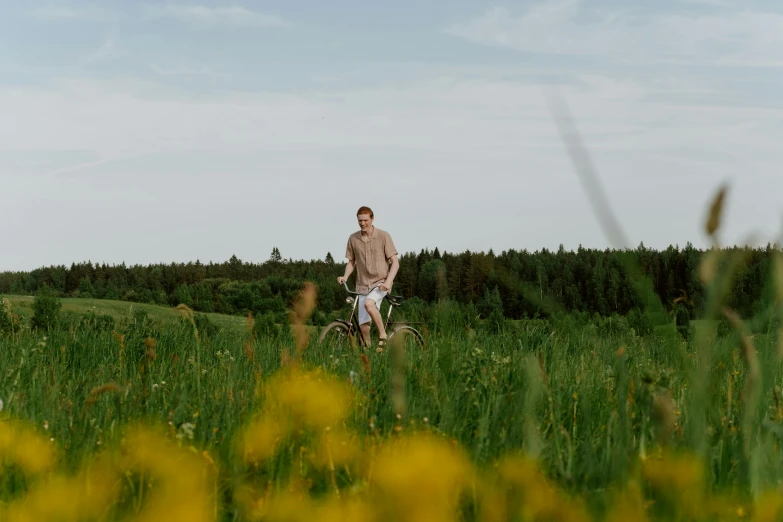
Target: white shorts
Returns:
[376, 295]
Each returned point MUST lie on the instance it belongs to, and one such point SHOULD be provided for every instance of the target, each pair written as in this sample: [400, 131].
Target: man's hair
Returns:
[365, 210]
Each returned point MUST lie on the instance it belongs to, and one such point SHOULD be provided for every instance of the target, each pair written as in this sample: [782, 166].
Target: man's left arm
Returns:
[390, 251]
[395, 265]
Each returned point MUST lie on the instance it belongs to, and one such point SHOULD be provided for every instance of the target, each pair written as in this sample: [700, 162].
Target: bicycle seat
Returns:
[395, 299]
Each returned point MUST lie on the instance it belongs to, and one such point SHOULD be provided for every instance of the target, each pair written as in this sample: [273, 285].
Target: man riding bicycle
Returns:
[371, 251]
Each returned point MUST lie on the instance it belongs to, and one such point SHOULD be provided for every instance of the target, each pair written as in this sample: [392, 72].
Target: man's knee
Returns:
[369, 305]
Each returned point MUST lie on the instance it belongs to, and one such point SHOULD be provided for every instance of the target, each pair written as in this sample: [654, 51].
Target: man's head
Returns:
[365, 217]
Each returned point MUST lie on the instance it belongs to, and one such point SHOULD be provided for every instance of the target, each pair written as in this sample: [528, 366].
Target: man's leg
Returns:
[368, 310]
[365, 329]
[364, 320]
[375, 314]
[372, 304]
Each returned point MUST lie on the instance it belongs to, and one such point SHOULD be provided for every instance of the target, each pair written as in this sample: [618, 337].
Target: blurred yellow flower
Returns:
[349, 510]
[336, 448]
[679, 480]
[181, 479]
[628, 505]
[528, 495]
[21, 445]
[293, 400]
[88, 495]
[420, 477]
[676, 474]
[289, 507]
[259, 440]
[311, 399]
[769, 507]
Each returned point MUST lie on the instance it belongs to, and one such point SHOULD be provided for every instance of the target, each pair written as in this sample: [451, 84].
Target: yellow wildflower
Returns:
[336, 448]
[87, 495]
[313, 400]
[628, 505]
[680, 474]
[260, 439]
[349, 510]
[420, 477]
[21, 445]
[769, 507]
[679, 479]
[181, 479]
[529, 495]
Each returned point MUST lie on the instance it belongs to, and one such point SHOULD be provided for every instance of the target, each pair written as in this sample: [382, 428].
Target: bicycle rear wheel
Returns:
[408, 336]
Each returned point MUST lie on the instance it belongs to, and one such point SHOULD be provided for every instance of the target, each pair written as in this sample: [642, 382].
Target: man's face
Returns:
[365, 222]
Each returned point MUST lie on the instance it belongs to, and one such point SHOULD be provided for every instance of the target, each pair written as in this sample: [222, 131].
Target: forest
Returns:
[513, 283]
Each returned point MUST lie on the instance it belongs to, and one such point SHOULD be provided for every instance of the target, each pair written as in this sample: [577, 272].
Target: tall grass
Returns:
[578, 420]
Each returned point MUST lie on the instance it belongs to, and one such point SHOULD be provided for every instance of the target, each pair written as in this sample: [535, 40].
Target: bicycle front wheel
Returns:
[336, 339]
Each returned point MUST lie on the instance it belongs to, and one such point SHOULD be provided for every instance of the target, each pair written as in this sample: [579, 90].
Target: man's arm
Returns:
[348, 272]
[348, 266]
[395, 265]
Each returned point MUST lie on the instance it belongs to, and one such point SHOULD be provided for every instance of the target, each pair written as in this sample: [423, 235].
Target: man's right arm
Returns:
[348, 272]
[349, 266]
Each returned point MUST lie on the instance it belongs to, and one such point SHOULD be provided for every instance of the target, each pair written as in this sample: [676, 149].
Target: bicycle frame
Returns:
[353, 321]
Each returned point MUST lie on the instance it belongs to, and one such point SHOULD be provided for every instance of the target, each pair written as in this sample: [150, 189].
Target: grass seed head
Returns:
[302, 310]
[664, 416]
[708, 266]
[96, 392]
[716, 211]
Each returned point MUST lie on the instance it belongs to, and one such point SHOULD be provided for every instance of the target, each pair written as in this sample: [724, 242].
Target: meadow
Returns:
[153, 417]
[123, 411]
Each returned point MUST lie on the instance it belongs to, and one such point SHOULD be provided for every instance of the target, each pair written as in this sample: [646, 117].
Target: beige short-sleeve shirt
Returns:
[370, 255]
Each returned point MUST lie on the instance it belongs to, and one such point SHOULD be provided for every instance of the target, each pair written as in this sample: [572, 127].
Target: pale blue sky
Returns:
[146, 132]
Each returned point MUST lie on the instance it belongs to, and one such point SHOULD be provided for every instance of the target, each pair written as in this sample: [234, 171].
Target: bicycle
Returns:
[341, 332]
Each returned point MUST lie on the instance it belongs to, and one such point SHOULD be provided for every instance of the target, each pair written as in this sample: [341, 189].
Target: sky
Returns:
[168, 132]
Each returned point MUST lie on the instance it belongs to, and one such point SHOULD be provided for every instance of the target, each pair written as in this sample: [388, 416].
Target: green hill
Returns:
[23, 305]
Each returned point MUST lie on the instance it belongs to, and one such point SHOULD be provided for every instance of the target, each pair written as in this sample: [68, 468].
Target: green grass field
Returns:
[544, 419]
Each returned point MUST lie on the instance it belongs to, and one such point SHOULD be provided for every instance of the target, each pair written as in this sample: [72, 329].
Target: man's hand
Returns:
[341, 280]
[386, 286]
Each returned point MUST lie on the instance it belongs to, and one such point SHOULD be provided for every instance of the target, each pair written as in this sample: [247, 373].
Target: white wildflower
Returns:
[186, 430]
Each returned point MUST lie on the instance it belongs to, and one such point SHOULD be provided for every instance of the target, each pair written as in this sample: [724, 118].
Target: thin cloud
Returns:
[187, 70]
[464, 115]
[204, 16]
[73, 169]
[106, 49]
[52, 12]
[714, 3]
[570, 27]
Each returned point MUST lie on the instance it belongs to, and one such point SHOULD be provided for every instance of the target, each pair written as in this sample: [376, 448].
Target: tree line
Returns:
[514, 283]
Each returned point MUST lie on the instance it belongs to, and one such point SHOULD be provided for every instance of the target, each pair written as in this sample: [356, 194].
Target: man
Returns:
[370, 250]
